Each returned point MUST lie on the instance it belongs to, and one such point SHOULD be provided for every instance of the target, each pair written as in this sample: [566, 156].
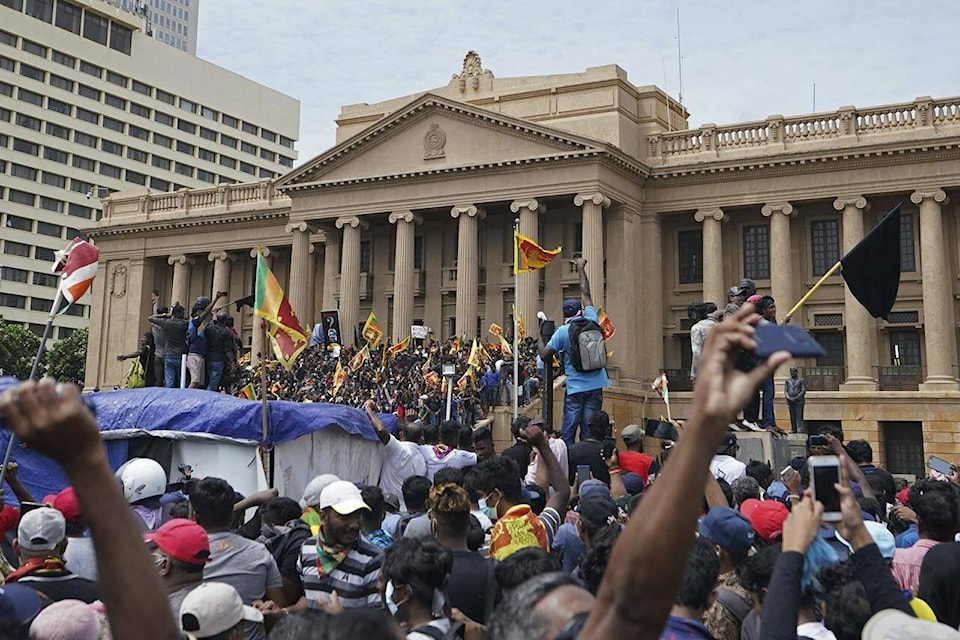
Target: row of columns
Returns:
[861, 338]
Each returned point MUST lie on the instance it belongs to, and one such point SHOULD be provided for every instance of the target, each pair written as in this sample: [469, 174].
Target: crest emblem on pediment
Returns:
[434, 140]
[472, 70]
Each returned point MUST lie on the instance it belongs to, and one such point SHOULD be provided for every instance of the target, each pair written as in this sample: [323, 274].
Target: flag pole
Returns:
[833, 270]
[516, 311]
[33, 374]
[264, 406]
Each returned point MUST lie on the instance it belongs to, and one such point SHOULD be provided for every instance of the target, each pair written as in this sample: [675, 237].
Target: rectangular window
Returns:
[117, 79]
[136, 154]
[11, 300]
[7, 64]
[160, 163]
[88, 116]
[91, 69]
[908, 255]
[108, 146]
[87, 164]
[79, 211]
[115, 101]
[88, 92]
[16, 5]
[186, 105]
[135, 177]
[206, 154]
[365, 256]
[22, 172]
[121, 38]
[15, 249]
[140, 87]
[227, 161]
[756, 251]
[40, 9]
[206, 176]
[905, 347]
[66, 60]
[61, 83]
[50, 204]
[230, 121]
[42, 253]
[208, 113]
[16, 222]
[110, 171]
[45, 279]
[268, 135]
[163, 118]
[20, 197]
[163, 96]
[139, 110]
[40, 304]
[79, 186]
[85, 139]
[33, 73]
[54, 180]
[6, 89]
[69, 17]
[189, 127]
[183, 147]
[268, 155]
[28, 122]
[59, 106]
[285, 161]
[138, 132]
[76, 310]
[249, 128]
[5, 115]
[184, 170]
[159, 185]
[8, 38]
[95, 27]
[49, 153]
[163, 141]
[14, 275]
[266, 173]
[227, 141]
[24, 146]
[32, 47]
[824, 245]
[246, 147]
[247, 168]
[208, 134]
[30, 97]
[833, 344]
[286, 142]
[113, 124]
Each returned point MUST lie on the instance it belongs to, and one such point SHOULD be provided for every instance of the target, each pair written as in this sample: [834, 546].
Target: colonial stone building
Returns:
[411, 215]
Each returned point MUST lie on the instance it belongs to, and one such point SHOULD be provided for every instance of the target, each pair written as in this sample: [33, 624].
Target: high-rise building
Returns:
[173, 22]
[89, 105]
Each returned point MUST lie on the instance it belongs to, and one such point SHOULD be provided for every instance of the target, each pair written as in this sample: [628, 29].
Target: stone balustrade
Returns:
[847, 126]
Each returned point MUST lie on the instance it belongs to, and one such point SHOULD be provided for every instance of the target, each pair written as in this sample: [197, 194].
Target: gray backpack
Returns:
[588, 351]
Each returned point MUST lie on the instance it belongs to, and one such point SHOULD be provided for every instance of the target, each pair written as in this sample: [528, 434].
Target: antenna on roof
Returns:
[663, 62]
[679, 58]
[814, 97]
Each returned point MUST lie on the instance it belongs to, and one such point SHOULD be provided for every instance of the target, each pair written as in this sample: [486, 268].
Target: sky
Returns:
[742, 60]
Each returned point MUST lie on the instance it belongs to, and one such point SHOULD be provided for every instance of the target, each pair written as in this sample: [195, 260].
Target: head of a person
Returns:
[699, 579]
[311, 493]
[519, 567]
[279, 511]
[155, 294]
[227, 321]
[341, 506]
[543, 607]
[832, 429]
[411, 432]
[66, 503]
[761, 472]
[735, 295]
[696, 311]
[211, 503]
[709, 308]
[728, 445]
[19, 606]
[483, 443]
[767, 308]
[465, 439]
[215, 611]
[598, 426]
[860, 451]
[163, 310]
[596, 512]
[431, 434]
[794, 372]
[181, 549]
[571, 307]
[747, 288]
[177, 311]
[730, 532]
[416, 490]
[632, 435]
[372, 496]
[593, 562]
[450, 511]
[315, 624]
[449, 475]
[498, 482]
[42, 532]
[71, 619]
[756, 572]
[413, 576]
[744, 488]
[936, 506]
[518, 426]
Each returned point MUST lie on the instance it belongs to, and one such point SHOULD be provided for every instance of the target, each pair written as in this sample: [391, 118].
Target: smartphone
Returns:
[786, 337]
[817, 441]
[940, 465]
[583, 474]
[26, 507]
[824, 474]
[609, 446]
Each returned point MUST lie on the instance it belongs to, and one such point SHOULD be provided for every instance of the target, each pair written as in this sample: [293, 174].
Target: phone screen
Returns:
[823, 480]
[583, 474]
[940, 465]
[609, 444]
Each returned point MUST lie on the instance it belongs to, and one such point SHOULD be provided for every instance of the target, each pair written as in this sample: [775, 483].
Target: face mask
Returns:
[393, 607]
[487, 510]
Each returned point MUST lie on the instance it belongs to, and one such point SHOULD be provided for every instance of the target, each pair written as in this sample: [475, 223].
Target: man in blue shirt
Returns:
[584, 391]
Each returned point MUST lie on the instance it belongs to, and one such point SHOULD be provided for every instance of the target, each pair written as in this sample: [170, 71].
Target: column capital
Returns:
[405, 216]
[717, 214]
[352, 221]
[596, 198]
[469, 210]
[777, 207]
[180, 259]
[301, 226]
[843, 202]
[531, 204]
[937, 195]
[213, 256]
[264, 250]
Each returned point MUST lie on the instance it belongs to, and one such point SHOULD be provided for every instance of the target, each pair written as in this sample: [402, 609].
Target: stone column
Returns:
[331, 268]
[861, 329]
[593, 205]
[781, 263]
[300, 267]
[527, 295]
[221, 271]
[938, 327]
[651, 318]
[350, 276]
[713, 288]
[406, 222]
[181, 281]
[623, 274]
[257, 345]
[467, 267]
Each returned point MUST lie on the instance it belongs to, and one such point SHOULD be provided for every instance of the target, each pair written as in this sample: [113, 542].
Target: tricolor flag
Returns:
[529, 256]
[248, 392]
[77, 266]
[288, 337]
[372, 332]
[606, 325]
[400, 347]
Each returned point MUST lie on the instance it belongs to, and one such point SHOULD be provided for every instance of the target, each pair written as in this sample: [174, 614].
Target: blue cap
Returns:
[593, 487]
[18, 604]
[729, 529]
[778, 490]
[632, 482]
[571, 307]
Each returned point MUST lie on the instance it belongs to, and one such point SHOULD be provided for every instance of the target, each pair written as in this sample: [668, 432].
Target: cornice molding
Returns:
[183, 223]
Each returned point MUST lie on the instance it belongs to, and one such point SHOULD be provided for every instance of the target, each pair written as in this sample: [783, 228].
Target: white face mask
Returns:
[393, 607]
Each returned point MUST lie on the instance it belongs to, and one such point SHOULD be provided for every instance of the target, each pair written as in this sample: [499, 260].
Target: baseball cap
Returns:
[391, 499]
[214, 607]
[880, 534]
[571, 307]
[632, 433]
[41, 529]
[893, 624]
[593, 487]
[311, 493]
[632, 482]
[183, 540]
[747, 286]
[66, 503]
[18, 605]
[766, 517]
[343, 497]
[733, 291]
[729, 529]
[729, 440]
[754, 299]
[778, 490]
[598, 510]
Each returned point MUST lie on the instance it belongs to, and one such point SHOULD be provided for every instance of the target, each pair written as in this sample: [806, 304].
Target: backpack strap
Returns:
[734, 603]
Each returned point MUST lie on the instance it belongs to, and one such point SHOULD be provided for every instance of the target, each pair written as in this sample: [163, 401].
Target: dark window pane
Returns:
[56, 155]
[159, 185]
[79, 211]
[61, 83]
[16, 222]
[163, 96]
[28, 122]
[45, 279]
[32, 72]
[690, 252]
[9, 299]
[91, 69]
[160, 162]
[20, 197]
[32, 47]
[59, 106]
[30, 97]
[908, 255]
[66, 60]
[905, 347]
[16, 5]
[109, 170]
[40, 9]
[120, 38]
[140, 87]
[88, 92]
[183, 125]
[88, 116]
[230, 121]
[87, 164]
[138, 132]
[54, 180]
[14, 275]
[756, 252]
[24, 146]
[115, 101]
[163, 118]
[250, 128]
[25, 173]
[42, 253]
[825, 245]
[135, 177]
[247, 168]
[95, 27]
[136, 154]
[69, 16]
[112, 124]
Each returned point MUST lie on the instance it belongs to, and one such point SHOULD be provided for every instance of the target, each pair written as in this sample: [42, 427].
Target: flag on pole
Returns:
[606, 325]
[362, 356]
[248, 392]
[288, 337]
[474, 359]
[339, 377]
[529, 256]
[872, 268]
[372, 332]
[455, 347]
[521, 332]
[496, 329]
[662, 386]
[505, 348]
[432, 378]
[400, 347]
[76, 265]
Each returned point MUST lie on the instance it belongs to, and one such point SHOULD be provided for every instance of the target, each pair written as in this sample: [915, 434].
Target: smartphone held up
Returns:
[824, 476]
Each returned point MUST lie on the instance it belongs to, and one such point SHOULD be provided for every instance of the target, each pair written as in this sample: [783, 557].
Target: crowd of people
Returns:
[543, 540]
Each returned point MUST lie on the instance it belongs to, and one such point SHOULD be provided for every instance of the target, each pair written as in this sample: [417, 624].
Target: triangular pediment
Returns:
[435, 134]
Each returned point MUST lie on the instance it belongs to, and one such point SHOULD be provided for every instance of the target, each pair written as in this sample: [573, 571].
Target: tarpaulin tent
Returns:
[218, 435]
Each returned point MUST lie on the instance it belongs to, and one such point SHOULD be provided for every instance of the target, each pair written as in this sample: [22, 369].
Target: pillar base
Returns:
[859, 384]
[939, 383]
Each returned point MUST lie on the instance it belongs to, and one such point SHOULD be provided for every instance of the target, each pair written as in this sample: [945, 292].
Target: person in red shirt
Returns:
[634, 460]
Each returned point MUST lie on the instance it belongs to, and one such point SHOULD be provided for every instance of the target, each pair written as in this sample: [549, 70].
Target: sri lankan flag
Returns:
[372, 332]
[271, 304]
[400, 347]
[76, 265]
[474, 359]
[339, 377]
[496, 329]
[455, 347]
[362, 356]
[606, 325]
[248, 392]
[529, 256]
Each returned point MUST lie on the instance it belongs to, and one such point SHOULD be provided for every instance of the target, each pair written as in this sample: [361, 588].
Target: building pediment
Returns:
[435, 134]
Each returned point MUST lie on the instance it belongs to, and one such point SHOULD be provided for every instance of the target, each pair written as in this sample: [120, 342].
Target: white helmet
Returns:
[142, 478]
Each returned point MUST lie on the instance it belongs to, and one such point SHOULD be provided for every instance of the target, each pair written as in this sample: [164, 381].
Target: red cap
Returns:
[66, 503]
[903, 497]
[183, 540]
[766, 517]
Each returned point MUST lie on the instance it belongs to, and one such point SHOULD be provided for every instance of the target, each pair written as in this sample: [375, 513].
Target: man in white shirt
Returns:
[724, 465]
[446, 453]
[557, 446]
[401, 458]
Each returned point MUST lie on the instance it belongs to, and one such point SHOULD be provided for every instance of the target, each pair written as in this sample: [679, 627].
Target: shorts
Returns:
[195, 366]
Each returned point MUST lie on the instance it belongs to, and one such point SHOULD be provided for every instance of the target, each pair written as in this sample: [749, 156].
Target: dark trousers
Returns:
[158, 371]
[796, 416]
[751, 412]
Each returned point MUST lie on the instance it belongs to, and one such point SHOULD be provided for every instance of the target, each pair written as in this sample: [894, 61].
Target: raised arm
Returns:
[555, 476]
[206, 312]
[53, 420]
[646, 566]
[19, 490]
[585, 296]
[381, 430]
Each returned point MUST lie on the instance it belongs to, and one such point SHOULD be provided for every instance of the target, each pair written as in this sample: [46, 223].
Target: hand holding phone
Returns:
[940, 465]
[824, 475]
[609, 446]
[772, 338]
[583, 474]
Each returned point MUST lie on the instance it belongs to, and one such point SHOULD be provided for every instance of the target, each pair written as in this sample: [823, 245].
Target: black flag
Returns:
[872, 268]
[246, 301]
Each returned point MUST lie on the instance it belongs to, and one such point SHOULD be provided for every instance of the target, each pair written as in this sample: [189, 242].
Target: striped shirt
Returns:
[354, 579]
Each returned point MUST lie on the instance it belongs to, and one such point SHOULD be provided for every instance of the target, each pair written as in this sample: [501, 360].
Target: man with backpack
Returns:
[580, 339]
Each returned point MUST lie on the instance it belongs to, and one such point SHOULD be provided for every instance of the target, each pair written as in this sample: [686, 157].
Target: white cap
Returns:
[214, 607]
[343, 497]
[41, 529]
[311, 493]
[893, 624]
